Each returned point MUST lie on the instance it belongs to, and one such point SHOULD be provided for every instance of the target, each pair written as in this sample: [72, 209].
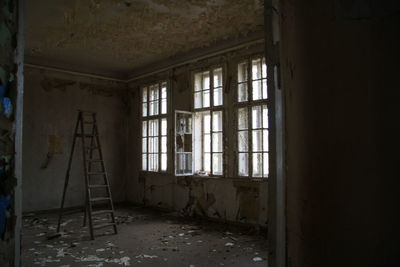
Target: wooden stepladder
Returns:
[98, 194]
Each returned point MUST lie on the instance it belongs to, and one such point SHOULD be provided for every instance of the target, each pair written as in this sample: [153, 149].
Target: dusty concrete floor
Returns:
[145, 238]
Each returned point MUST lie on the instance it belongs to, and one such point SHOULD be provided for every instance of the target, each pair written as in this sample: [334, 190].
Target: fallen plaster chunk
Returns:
[100, 250]
[229, 244]
[258, 259]
[60, 252]
[91, 258]
[65, 265]
[96, 265]
[66, 222]
[181, 234]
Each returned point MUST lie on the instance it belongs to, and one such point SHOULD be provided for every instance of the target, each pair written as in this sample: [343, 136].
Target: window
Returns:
[154, 127]
[208, 118]
[252, 114]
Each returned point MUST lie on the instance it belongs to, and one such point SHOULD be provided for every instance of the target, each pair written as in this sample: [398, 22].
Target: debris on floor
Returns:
[145, 237]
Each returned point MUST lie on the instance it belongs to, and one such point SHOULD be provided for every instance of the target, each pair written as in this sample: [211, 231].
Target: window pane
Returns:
[256, 68]
[264, 89]
[206, 98]
[217, 121]
[164, 90]
[257, 140]
[207, 143]
[243, 141]
[242, 92]
[218, 77]
[197, 81]
[156, 92]
[207, 123]
[242, 72]
[144, 109]
[197, 100]
[217, 163]
[144, 129]
[144, 94]
[243, 164]
[153, 162]
[257, 90]
[152, 93]
[163, 126]
[155, 108]
[164, 106]
[217, 142]
[151, 112]
[242, 119]
[163, 162]
[153, 128]
[206, 80]
[265, 116]
[164, 144]
[144, 145]
[183, 163]
[265, 165]
[218, 96]
[257, 164]
[207, 162]
[265, 140]
[256, 117]
[144, 162]
[264, 68]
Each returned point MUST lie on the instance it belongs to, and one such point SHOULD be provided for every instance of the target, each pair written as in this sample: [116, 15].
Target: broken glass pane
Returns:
[218, 77]
[218, 96]
[256, 117]
[265, 164]
[217, 121]
[243, 164]
[256, 68]
[257, 164]
[242, 119]
[217, 163]
[242, 72]
[217, 142]
[257, 90]
[257, 140]
[243, 141]
[242, 92]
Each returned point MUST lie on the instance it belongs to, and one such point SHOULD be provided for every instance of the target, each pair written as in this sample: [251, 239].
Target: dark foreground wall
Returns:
[340, 62]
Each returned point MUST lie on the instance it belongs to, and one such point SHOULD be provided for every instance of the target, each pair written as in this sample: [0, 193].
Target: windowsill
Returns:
[238, 178]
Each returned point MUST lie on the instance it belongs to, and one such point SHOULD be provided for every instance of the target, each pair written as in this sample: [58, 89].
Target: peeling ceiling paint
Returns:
[124, 34]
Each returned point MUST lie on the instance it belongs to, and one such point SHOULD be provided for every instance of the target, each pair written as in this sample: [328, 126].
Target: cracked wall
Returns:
[49, 121]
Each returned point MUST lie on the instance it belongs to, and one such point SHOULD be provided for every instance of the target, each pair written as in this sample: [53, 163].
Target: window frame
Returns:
[211, 109]
[159, 117]
[248, 105]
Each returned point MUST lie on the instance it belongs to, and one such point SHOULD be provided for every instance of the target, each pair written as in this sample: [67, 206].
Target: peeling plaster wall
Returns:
[50, 118]
[340, 63]
[225, 199]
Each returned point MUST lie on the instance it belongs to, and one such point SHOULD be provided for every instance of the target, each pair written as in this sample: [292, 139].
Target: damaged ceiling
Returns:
[119, 36]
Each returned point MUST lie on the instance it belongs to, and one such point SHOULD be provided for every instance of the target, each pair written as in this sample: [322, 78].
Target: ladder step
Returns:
[94, 160]
[103, 225]
[96, 173]
[92, 147]
[88, 122]
[98, 186]
[86, 135]
[99, 199]
[101, 212]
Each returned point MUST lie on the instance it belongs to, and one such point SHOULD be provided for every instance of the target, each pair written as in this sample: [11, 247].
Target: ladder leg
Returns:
[67, 175]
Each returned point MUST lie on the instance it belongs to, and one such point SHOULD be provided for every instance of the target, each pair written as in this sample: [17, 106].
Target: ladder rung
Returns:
[94, 160]
[99, 199]
[101, 212]
[85, 135]
[92, 147]
[98, 186]
[96, 173]
[88, 122]
[103, 225]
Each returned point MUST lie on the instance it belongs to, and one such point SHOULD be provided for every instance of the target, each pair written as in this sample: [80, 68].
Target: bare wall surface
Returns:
[50, 118]
[340, 67]
[226, 199]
